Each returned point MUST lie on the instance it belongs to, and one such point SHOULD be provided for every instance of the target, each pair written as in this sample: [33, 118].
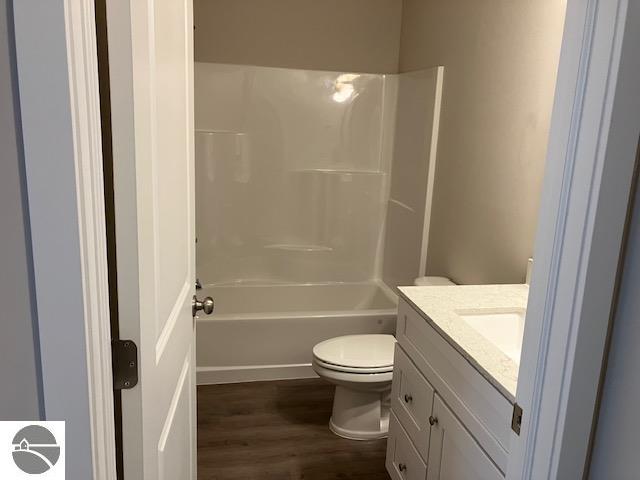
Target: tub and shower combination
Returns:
[292, 181]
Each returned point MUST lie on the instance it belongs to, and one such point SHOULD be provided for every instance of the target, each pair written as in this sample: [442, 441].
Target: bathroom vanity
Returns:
[454, 381]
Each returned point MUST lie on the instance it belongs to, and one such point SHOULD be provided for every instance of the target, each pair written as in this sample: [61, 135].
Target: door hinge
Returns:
[124, 362]
[516, 418]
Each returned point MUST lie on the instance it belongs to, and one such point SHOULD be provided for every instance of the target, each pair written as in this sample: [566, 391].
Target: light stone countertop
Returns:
[438, 306]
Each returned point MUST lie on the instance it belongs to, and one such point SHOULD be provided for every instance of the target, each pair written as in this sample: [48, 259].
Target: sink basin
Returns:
[504, 329]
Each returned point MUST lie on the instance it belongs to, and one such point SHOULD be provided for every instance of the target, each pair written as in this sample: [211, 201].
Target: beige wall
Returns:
[342, 35]
[500, 59]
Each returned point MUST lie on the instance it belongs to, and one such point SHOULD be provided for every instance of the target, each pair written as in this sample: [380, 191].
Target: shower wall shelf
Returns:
[337, 171]
[298, 248]
[219, 132]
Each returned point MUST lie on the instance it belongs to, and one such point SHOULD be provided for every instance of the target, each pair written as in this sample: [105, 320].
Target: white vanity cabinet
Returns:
[447, 421]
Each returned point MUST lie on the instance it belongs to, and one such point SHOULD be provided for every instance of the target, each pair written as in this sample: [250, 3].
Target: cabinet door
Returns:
[454, 454]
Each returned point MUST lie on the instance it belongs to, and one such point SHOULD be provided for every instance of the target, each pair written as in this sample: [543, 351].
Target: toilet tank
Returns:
[432, 281]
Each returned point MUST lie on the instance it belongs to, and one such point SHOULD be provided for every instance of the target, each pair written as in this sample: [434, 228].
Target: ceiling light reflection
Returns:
[344, 88]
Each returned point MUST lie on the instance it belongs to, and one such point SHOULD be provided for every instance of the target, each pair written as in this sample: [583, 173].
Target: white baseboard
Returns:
[253, 373]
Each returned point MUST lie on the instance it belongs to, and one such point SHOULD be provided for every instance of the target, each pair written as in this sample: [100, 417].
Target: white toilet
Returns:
[361, 367]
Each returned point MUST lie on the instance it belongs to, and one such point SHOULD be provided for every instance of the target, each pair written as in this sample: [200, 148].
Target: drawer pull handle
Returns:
[402, 467]
[433, 420]
[408, 398]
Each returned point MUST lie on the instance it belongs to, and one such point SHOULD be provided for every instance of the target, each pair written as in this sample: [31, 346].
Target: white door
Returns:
[151, 79]
[454, 454]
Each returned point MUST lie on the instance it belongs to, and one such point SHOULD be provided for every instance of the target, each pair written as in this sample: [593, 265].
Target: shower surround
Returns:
[292, 186]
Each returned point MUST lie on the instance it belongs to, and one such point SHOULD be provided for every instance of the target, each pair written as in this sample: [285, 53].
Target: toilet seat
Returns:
[355, 370]
[357, 353]
[356, 381]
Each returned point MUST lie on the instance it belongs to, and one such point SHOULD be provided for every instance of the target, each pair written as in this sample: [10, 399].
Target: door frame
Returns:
[587, 173]
[56, 58]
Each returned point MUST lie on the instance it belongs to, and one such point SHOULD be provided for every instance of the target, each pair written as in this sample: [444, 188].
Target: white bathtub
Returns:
[266, 332]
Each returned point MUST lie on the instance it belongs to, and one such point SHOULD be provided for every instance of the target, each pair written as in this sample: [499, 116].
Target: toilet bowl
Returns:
[361, 368]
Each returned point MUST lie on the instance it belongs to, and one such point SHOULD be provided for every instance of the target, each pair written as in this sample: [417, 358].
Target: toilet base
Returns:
[360, 435]
[360, 415]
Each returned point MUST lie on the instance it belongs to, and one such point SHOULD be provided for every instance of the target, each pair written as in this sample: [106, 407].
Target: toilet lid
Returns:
[357, 351]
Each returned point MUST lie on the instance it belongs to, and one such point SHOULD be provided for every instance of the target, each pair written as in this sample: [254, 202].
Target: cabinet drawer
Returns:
[412, 401]
[403, 461]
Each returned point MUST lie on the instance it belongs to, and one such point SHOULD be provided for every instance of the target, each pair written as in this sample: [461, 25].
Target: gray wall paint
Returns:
[500, 59]
[339, 35]
[19, 372]
[51, 162]
[615, 450]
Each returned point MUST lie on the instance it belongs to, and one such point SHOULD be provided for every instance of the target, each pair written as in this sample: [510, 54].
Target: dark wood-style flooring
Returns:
[278, 431]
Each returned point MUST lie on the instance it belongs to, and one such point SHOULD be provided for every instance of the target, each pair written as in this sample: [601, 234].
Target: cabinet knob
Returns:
[402, 467]
[408, 398]
[432, 420]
